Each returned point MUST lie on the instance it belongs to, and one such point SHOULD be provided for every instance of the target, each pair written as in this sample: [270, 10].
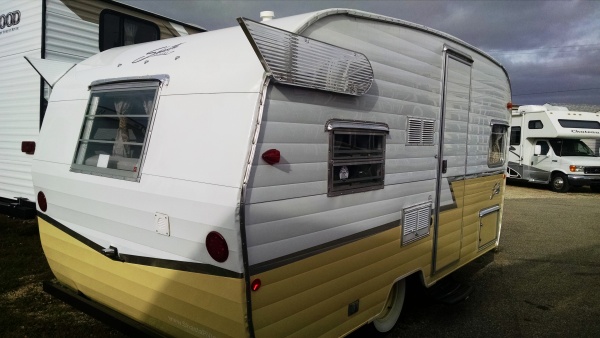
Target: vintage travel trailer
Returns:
[66, 31]
[272, 179]
[547, 146]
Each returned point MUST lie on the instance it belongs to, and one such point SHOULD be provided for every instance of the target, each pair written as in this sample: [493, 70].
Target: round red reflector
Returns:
[217, 246]
[509, 105]
[255, 285]
[271, 156]
[42, 203]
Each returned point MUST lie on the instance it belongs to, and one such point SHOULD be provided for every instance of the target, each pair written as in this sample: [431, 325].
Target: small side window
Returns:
[356, 156]
[115, 129]
[535, 124]
[497, 146]
[515, 136]
[118, 29]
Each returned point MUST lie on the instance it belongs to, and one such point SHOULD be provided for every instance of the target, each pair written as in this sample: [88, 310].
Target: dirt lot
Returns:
[542, 282]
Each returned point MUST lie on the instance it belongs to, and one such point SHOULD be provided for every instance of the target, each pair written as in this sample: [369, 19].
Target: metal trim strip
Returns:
[143, 260]
[300, 255]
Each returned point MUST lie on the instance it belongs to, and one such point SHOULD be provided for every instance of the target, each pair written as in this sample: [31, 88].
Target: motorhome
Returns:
[66, 31]
[546, 146]
[271, 179]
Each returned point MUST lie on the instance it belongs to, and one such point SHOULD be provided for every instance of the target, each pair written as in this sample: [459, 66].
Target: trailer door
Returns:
[456, 97]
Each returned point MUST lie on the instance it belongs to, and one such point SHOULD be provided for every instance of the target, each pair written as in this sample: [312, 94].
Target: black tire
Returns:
[559, 183]
[595, 187]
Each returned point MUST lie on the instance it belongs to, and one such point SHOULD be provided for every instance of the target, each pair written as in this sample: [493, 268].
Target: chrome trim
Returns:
[458, 55]
[500, 122]
[362, 125]
[300, 61]
[162, 78]
[487, 211]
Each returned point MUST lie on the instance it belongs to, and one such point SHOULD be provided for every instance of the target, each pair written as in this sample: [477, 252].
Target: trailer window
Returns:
[356, 157]
[579, 124]
[118, 29]
[497, 146]
[515, 136]
[535, 124]
[115, 130]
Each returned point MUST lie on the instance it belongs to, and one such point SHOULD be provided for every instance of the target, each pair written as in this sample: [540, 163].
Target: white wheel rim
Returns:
[391, 313]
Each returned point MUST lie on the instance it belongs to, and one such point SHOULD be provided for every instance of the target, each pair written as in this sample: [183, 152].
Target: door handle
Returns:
[444, 166]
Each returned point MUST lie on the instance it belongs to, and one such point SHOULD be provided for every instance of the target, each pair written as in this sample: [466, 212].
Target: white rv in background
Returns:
[272, 179]
[546, 147]
[66, 31]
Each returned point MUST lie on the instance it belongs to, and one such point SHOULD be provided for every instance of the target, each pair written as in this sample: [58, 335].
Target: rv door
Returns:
[541, 162]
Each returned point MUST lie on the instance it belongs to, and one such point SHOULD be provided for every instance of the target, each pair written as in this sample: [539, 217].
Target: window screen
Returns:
[118, 29]
[115, 129]
[357, 159]
[497, 146]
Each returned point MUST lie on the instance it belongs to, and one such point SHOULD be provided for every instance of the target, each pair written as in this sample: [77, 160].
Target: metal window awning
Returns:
[300, 61]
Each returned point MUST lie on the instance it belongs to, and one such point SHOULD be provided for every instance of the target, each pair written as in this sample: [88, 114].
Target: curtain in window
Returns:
[130, 31]
[120, 148]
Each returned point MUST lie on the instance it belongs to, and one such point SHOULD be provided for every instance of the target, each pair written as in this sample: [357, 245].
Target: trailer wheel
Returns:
[388, 318]
[559, 182]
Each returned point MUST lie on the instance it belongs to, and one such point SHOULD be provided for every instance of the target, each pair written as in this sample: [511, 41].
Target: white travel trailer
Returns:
[68, 31]
[546, 147]
[270, 180]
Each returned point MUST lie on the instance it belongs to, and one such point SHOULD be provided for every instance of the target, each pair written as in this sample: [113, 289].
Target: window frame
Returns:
[516, 132]
[115, 85]
[533, 124]
[503, 150]
[122, 17]
[347, 127]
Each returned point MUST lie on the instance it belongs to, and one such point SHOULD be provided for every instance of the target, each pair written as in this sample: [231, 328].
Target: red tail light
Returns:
[255, 285]
[217, 246]
[28, 147]
[271, 156]
[41, 200]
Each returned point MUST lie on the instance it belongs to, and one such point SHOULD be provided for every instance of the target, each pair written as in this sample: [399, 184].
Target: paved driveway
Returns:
[544, 281]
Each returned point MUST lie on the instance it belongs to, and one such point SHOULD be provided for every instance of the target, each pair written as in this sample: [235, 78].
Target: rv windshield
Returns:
[567, 147]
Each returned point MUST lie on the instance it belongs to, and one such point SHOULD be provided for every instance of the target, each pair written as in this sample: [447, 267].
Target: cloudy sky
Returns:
[551, 49]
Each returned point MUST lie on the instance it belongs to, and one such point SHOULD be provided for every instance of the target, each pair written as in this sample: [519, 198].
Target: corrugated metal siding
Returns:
[288, 209]
[68, 37]
[19, 97]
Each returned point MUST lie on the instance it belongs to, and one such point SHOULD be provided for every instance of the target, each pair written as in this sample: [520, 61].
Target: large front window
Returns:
[115, 129]
[570, 147]
[497, 146]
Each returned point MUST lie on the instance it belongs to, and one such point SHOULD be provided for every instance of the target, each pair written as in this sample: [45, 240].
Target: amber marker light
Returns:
[255, 285]
[217, 246]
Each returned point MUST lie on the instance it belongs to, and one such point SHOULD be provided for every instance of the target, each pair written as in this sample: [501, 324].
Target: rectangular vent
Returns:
[420, 132]
[416, 221]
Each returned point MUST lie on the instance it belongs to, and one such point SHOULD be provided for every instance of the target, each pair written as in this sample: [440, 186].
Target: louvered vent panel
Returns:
[416, 222]
[415, 127]
[420, 132]
[428, 132]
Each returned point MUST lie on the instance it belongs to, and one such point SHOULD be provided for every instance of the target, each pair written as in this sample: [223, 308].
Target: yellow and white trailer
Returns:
[272, 179]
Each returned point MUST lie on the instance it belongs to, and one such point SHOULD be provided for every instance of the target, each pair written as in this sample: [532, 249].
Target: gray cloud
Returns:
[529, 38]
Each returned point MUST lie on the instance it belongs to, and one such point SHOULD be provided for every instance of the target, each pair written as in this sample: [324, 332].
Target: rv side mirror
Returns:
[537, 150]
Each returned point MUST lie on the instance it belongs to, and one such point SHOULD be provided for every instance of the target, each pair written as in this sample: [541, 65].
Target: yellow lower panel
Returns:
[310, 298]
[178, 303]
